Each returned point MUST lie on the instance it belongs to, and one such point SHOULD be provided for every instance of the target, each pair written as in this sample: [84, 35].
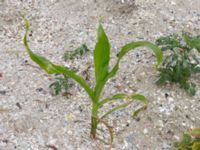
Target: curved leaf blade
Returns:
[52, 68]
[113, 98]
[125, 49]
[131, 98]
[157, 51]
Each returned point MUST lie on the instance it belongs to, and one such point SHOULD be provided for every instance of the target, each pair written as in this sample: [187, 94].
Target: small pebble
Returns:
[173, 3]
[39, 89]
[5, 141]
[145, 131]
[187, 116]
[166, 146]
[25, 61]
[69, 132]
[138, 119]
[3, 92]
[170, 99]
[18, 105]
[166, 95]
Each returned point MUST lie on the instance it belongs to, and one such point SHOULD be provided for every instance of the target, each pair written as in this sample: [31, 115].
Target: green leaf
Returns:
[195, 132]
[130, 98]
[168, 42]
[181, 63]
[193, 42]
[186, 140]
[185, 143]
[196, 146]
[101, 60]
[192, 89]
[60, 83]
[142, 99]
[113, 98]
[125, 49]
[52, 68]
[157, 51]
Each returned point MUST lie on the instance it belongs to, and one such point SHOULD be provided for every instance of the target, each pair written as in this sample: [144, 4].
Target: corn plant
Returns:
[189, 141]
[102, 74]
[182, 61]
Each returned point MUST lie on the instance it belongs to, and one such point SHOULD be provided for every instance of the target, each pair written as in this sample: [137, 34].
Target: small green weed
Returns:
[60, 84]
[189, 141]
[80, 51]
[182, 62]
[102, 75]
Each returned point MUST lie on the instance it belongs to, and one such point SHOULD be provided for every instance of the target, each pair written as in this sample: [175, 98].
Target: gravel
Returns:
[32, 119]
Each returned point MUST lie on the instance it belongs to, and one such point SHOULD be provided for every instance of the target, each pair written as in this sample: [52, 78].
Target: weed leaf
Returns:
[189, 141]
[80, 51]
[193, 42]
[181, 63]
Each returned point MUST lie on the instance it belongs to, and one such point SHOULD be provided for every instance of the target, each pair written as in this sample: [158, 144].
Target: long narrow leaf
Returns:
[195, 132]
[51, 68]
[131, 98]
[125, 49]
[101, 55]
[112, 98]
[119, 96]
[101, 60]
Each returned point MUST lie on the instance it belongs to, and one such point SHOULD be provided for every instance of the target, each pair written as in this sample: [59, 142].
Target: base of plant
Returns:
[93, 131]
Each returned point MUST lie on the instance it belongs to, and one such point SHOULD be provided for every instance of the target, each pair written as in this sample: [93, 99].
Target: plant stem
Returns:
[94, 120]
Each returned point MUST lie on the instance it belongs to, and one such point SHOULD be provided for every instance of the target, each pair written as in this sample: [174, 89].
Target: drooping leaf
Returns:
[142, 99]
[125, 49]
[157, 51]
[112, 98]
[130, 98]
[52, 68]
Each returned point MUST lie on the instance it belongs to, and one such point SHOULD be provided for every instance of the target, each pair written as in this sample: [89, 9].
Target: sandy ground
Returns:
[32, 119]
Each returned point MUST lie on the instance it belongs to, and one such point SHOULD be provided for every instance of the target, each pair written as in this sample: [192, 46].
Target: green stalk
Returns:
[94, 120]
